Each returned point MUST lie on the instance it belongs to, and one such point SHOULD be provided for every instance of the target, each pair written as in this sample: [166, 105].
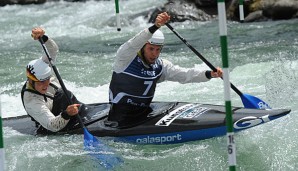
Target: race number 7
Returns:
[149, 84]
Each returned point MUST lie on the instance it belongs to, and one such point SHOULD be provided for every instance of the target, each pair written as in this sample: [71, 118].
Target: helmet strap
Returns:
[32, 83]
[142, 56]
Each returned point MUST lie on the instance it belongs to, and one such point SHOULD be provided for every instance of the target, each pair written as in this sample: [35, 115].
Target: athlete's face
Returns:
[151, 52]
[42, 86]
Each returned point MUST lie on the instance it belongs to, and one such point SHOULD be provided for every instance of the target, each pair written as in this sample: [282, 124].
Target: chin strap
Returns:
[141, 55]
[31, 83]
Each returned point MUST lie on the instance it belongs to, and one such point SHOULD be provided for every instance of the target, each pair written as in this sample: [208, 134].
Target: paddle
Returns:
[106, 155]
[248, 101]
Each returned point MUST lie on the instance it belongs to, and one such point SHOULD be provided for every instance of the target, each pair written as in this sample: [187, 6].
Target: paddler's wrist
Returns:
[44, 38]
[65, 115]
[153, 28]
[208, 74]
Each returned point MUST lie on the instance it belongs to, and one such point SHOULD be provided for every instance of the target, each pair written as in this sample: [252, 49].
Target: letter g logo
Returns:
[250, 121]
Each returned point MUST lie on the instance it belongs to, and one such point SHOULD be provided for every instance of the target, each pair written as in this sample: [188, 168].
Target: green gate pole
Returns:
[224, 53]
[2, 159]
[241, 11]
[117, 15]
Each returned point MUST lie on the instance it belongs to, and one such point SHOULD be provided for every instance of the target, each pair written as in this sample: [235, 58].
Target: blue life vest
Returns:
[136, 84]
[132, 91]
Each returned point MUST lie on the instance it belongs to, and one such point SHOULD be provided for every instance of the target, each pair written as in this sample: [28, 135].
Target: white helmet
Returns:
[157, 38]
[38, 70]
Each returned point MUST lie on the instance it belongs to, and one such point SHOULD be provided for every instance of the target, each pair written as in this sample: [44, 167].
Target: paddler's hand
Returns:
[161, 19]
[73, 109]
[217, 74]
[37, 33]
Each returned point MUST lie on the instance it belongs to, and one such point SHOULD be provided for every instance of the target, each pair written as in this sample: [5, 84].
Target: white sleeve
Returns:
[182, 75]
[52, 48]
[128, 51]
[37, 108]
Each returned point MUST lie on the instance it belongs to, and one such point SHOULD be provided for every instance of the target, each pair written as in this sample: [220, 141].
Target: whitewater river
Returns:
[263, 62]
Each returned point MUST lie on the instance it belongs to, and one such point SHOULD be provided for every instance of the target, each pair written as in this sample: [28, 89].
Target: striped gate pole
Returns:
[117, 15]
[241, 11]
[231, 147]
[2, 159]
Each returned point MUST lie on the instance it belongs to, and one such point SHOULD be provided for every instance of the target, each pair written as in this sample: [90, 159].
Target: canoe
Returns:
[168, 123]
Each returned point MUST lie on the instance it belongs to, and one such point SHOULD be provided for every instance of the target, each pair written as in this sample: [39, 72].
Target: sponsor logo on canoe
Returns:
[263, 105]
[250, 121]
[159, 139]
[195, 112]
[185, 111]
[99, 114]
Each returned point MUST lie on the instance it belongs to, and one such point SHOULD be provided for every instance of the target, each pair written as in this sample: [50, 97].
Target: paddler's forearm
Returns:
[58, 123]
[182, 75]
[52, 47]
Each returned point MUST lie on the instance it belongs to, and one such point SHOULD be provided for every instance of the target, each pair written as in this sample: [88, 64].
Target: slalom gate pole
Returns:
[231, 147]
[117, 15]
[241, 11]
[2, 158]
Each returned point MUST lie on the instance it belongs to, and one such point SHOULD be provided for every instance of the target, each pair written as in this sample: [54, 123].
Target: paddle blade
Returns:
[252, 102]
[100, 151]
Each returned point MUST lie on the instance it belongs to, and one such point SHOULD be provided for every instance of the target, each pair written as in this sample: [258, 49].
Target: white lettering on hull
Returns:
[159, 139]
[169, 118]
[186, 111]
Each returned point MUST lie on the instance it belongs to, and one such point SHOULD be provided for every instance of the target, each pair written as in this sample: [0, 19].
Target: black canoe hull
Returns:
[170, 122]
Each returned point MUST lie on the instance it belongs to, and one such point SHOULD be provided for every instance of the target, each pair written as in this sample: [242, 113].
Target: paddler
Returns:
[42, 96]
[137, 70]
